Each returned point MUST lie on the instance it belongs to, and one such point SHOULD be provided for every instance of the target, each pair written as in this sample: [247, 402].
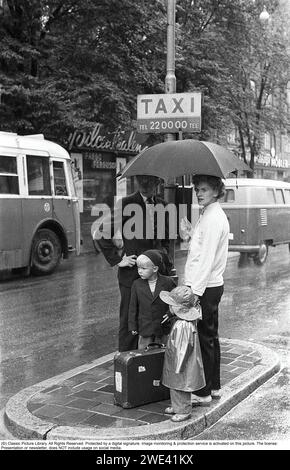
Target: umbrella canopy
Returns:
[181, 157]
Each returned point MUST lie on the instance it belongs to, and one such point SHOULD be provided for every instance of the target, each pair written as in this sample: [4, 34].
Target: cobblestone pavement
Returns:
[87, 399]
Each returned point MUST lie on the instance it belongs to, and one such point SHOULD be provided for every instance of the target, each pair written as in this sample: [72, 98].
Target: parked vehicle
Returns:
[259, 215]
[258, 211]
[39, 214]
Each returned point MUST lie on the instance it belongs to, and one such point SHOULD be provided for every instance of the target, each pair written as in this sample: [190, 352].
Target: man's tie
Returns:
[150, 210]
[150, 200]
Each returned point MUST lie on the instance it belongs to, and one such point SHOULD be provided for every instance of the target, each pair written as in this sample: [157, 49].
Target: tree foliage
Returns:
[78, 62]
[241, 65]
[67, 64]
[256, 71]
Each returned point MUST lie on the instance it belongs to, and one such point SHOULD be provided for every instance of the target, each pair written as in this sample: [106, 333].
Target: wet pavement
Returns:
[53, 324]
[80, 405]
[88, 398]
[263, 416]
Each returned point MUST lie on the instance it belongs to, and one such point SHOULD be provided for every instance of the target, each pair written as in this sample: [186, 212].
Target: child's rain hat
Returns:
[182, 298]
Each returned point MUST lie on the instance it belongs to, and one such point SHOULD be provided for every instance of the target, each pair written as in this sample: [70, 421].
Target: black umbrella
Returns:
[181, 157]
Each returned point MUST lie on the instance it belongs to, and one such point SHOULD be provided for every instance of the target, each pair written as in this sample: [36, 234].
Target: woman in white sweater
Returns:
[205, 265]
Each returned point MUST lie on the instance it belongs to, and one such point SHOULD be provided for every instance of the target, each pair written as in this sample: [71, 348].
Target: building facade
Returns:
[273, 160]
[98, 158]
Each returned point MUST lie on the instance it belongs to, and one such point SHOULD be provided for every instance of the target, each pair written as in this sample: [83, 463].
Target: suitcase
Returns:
[137, 377]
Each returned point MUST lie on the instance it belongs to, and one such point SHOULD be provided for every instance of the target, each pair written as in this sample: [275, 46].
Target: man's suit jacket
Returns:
[146, 309]
[135, 246]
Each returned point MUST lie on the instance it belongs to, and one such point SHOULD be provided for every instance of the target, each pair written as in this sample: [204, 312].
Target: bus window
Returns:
[8, 175]
[60, 188]
[279, 196]
[38, 176]
[38, 199]
[270, 196]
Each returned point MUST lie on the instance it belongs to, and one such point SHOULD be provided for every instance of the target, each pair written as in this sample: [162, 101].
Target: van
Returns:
[258, 211]
[39, 214]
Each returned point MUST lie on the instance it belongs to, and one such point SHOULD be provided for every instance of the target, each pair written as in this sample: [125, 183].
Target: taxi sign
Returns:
[169, 113]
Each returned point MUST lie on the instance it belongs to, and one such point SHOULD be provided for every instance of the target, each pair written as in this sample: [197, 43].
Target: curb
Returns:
[22, 424]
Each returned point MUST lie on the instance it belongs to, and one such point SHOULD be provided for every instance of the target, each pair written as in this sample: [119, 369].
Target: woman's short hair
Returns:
[213, 181]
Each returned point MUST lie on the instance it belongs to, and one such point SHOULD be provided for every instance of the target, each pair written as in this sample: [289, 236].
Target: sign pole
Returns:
[170, 87]
[170, 79]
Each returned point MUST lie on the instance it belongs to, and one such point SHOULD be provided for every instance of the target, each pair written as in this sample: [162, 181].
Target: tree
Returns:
[67, 64]
[78, 62]
[27, 104]
[256, 70]
[241, 65]
[199, 64]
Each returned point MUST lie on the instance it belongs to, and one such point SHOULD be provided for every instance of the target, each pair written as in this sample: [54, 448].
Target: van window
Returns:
[279, 196]
[8, 175]
[287, 195]
[38, 176]
[229, 196]
[258, 195]
[270, 196]
[60, 188]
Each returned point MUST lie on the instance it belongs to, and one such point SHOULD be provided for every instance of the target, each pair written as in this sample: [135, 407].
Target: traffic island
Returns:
[79, 404]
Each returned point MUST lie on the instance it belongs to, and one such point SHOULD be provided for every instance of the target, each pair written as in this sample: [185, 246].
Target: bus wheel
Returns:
[46, 252]
[262, 254]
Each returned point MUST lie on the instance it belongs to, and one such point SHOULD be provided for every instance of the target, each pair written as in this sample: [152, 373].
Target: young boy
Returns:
[183, 368]
[146, 309]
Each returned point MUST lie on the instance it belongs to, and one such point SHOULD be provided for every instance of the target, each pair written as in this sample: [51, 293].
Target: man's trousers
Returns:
[127, 342]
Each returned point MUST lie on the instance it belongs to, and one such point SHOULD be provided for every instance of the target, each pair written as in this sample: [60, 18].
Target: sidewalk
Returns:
[79, 404]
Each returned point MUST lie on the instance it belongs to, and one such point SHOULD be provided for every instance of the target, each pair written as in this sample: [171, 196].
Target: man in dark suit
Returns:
[133, 219]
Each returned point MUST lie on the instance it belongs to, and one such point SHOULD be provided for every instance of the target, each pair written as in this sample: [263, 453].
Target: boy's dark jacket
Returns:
[146, 310]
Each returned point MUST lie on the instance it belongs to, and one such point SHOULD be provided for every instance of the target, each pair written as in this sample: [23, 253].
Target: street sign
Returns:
[169, 113]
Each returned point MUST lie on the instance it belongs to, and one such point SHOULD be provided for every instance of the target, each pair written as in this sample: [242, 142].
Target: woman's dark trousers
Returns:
[209, 340]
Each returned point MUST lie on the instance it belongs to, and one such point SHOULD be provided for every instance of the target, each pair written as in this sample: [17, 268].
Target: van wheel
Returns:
[244, 260]
[96, 246]
[262, 254]
[46, 252]
[25, 271]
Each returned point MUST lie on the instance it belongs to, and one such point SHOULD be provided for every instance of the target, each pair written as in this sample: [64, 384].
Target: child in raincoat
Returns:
[183, 368]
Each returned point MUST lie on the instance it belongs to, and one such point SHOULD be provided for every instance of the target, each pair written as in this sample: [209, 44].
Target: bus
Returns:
[39, 212]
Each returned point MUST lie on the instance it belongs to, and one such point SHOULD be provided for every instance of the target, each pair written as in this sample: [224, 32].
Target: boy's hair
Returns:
[213, 181]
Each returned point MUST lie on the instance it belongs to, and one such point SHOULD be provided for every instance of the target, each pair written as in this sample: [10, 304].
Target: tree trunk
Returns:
[242, 144]
[252, 161]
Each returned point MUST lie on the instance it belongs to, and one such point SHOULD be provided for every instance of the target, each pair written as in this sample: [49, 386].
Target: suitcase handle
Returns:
[154, 346]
